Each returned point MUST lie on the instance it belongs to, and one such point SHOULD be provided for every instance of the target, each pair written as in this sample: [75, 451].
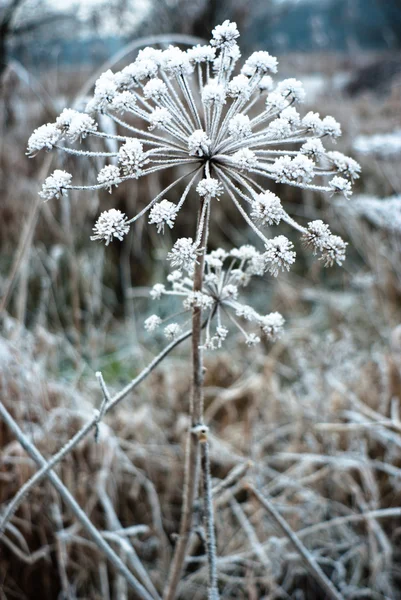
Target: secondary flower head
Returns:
[226, 276]
[55, 185]
[111, 223]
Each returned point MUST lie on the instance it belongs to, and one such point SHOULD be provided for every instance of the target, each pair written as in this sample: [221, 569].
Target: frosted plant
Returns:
[227, 129]
[225, 276]
[189, 109]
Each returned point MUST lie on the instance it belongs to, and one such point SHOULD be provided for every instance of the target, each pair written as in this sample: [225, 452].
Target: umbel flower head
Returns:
[225, 276]
[225, 125]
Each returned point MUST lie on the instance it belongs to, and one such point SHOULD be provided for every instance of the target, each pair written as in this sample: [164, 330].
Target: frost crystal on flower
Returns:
[163, 213]
[245, 159]
[172, 331]
[213, 93]
[313, 148]
[132, 158]
[109, 176]
[152, 323]
[159, 117]
[199, 143]
[155, 89]
[111, 223]
[198, 300]
[157, 291]
[123, 101]
[339, 184]
[224, 35]
[240, 127]
[267, 209]
[261, 62]
[44, 137]
[319, 237]
[200, 54]
[293, 170]
[209, 187]
[345, 165]
[279, 255]
[55, 185]
[272, 325]
[183, 253]
[293, 88]
[238, 86]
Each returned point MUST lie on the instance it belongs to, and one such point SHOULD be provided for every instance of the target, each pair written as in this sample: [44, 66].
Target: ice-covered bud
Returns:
[209, 187]
[313, 148]
[200, 54]
[224, 35]
[267, 209]
[183, 253]
[111, 224]
[229, 292]
[334, 251]
[150, 53]
[213, 93]
[345, 165]
[245, 159]
[261, 62]
[279, 255]
[276, 102]
[105, 90]
[132, 158]
[291, 115]
[172, 331]
[176, 62]
[313, 123]
[239, 86]
[265, 84]
[216, 341]
[316, 235]
[157, 291]
[152, 323]
[199, 143]
[292, 88]
[159, 117]
[163, 213]
[155, 89]
[75, 124]
[45, 136]
[331, 127]
[341, 185]
[240, 127]
[144, 68]
[123, 101]
[252, 340]
[55, 185]
[245, 252]
[279, 129]
[246, 312]
[272, 325]
[299, 169]
[198, 300]
[109, 176]
[174, 276]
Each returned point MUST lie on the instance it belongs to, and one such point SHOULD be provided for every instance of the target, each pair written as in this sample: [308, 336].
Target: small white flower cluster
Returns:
[199, 114]
[225, 273]
[111, 223]
[319, 237]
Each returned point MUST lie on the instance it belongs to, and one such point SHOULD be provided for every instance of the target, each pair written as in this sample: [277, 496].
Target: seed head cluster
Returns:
[228, 128]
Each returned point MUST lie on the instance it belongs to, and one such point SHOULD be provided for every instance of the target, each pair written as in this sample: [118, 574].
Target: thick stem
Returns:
[213, 593]
[191, 475]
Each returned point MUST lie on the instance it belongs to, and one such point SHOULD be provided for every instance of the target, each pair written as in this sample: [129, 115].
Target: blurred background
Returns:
[320, 406]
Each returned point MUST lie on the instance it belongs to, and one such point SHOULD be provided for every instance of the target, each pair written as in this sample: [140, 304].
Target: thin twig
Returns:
[307, 557]
[74, 506]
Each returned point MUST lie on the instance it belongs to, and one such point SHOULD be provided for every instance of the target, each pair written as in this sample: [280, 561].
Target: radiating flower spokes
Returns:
[223, 129]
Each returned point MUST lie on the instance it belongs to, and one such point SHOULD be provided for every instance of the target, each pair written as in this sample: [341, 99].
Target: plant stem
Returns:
[209, 518]
[191, 474]
[306, 556]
